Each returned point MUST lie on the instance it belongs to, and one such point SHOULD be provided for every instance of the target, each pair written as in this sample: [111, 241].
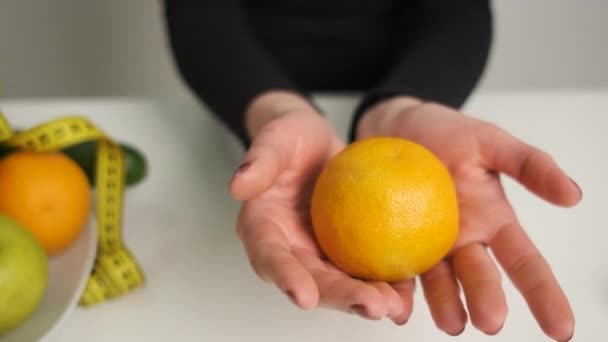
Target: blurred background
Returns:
[88, 48]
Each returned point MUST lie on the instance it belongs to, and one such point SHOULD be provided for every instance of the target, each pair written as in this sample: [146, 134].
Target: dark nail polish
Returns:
[291, 297]
[240, 171]
[456, 334]
[492, 333]
[578, 187]
[402, 322]
[360, 310]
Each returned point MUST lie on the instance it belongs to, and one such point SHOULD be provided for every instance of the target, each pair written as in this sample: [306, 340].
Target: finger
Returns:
[481, 282]
[259, 171]
[533, 168]
[532, 276]
[391, 297]
[405, 289]
[340, 292]
[442, 294]
[272, 260]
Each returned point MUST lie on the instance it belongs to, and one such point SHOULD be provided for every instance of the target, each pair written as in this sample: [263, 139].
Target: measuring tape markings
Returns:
[5, 130]
[115, 271]
[109, 195]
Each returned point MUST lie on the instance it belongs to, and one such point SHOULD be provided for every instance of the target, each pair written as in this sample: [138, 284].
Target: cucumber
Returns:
[5, 150]
[85, 154]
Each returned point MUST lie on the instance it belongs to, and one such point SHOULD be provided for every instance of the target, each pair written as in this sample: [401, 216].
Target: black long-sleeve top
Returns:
[230, 51]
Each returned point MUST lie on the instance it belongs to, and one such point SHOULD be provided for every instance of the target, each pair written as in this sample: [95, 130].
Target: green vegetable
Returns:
[5, 150]
[85, 155]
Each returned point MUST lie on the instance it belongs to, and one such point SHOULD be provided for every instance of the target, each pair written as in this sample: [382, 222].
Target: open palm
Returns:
[476, 152]
[275, 184]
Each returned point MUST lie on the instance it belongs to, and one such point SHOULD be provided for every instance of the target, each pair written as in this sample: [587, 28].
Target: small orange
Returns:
[385, 209]
[48, 193]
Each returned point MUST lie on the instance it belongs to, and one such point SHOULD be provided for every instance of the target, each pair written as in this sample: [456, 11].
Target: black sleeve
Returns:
[216, 56]
[444, 58]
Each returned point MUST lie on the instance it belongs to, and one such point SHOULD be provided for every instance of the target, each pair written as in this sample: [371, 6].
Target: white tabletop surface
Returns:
[180, 225]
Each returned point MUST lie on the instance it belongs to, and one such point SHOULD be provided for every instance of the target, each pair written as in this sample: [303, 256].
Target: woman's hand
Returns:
[291, 144]
[476, 152]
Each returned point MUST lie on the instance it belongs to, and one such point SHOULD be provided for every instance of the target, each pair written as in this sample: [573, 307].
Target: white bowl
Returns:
[68, 275]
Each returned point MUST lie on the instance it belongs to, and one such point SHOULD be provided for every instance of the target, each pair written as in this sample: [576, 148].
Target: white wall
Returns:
[549, 43]
[118, 47]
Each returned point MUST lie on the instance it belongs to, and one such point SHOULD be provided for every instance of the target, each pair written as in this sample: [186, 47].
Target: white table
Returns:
[180, 221]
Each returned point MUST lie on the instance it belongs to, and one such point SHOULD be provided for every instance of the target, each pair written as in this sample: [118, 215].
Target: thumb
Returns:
[258, 171]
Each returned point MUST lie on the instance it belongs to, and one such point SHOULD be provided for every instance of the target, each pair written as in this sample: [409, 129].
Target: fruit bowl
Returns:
[68, 275]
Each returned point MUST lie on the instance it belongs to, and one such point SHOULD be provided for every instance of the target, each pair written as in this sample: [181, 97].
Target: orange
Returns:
[385, 209]
[48, 193]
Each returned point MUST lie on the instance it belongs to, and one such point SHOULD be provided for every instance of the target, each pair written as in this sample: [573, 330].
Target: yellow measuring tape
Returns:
[116, 271]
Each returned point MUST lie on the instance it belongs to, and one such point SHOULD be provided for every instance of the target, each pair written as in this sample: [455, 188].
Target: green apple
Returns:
[23, 274]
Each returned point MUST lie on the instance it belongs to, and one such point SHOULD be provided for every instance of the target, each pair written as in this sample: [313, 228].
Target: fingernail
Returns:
[291, 297]
[360, 310]
[578, 187]
[492, 333]
[570, 338]
[401, 322]
[240, 171]
[456, 334]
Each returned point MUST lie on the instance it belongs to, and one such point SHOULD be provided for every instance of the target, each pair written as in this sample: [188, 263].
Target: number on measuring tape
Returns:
[110, 185]
[57, 134]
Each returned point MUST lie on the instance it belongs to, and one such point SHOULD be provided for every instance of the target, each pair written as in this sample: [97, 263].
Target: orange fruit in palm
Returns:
[385, 209]
[48, 193]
